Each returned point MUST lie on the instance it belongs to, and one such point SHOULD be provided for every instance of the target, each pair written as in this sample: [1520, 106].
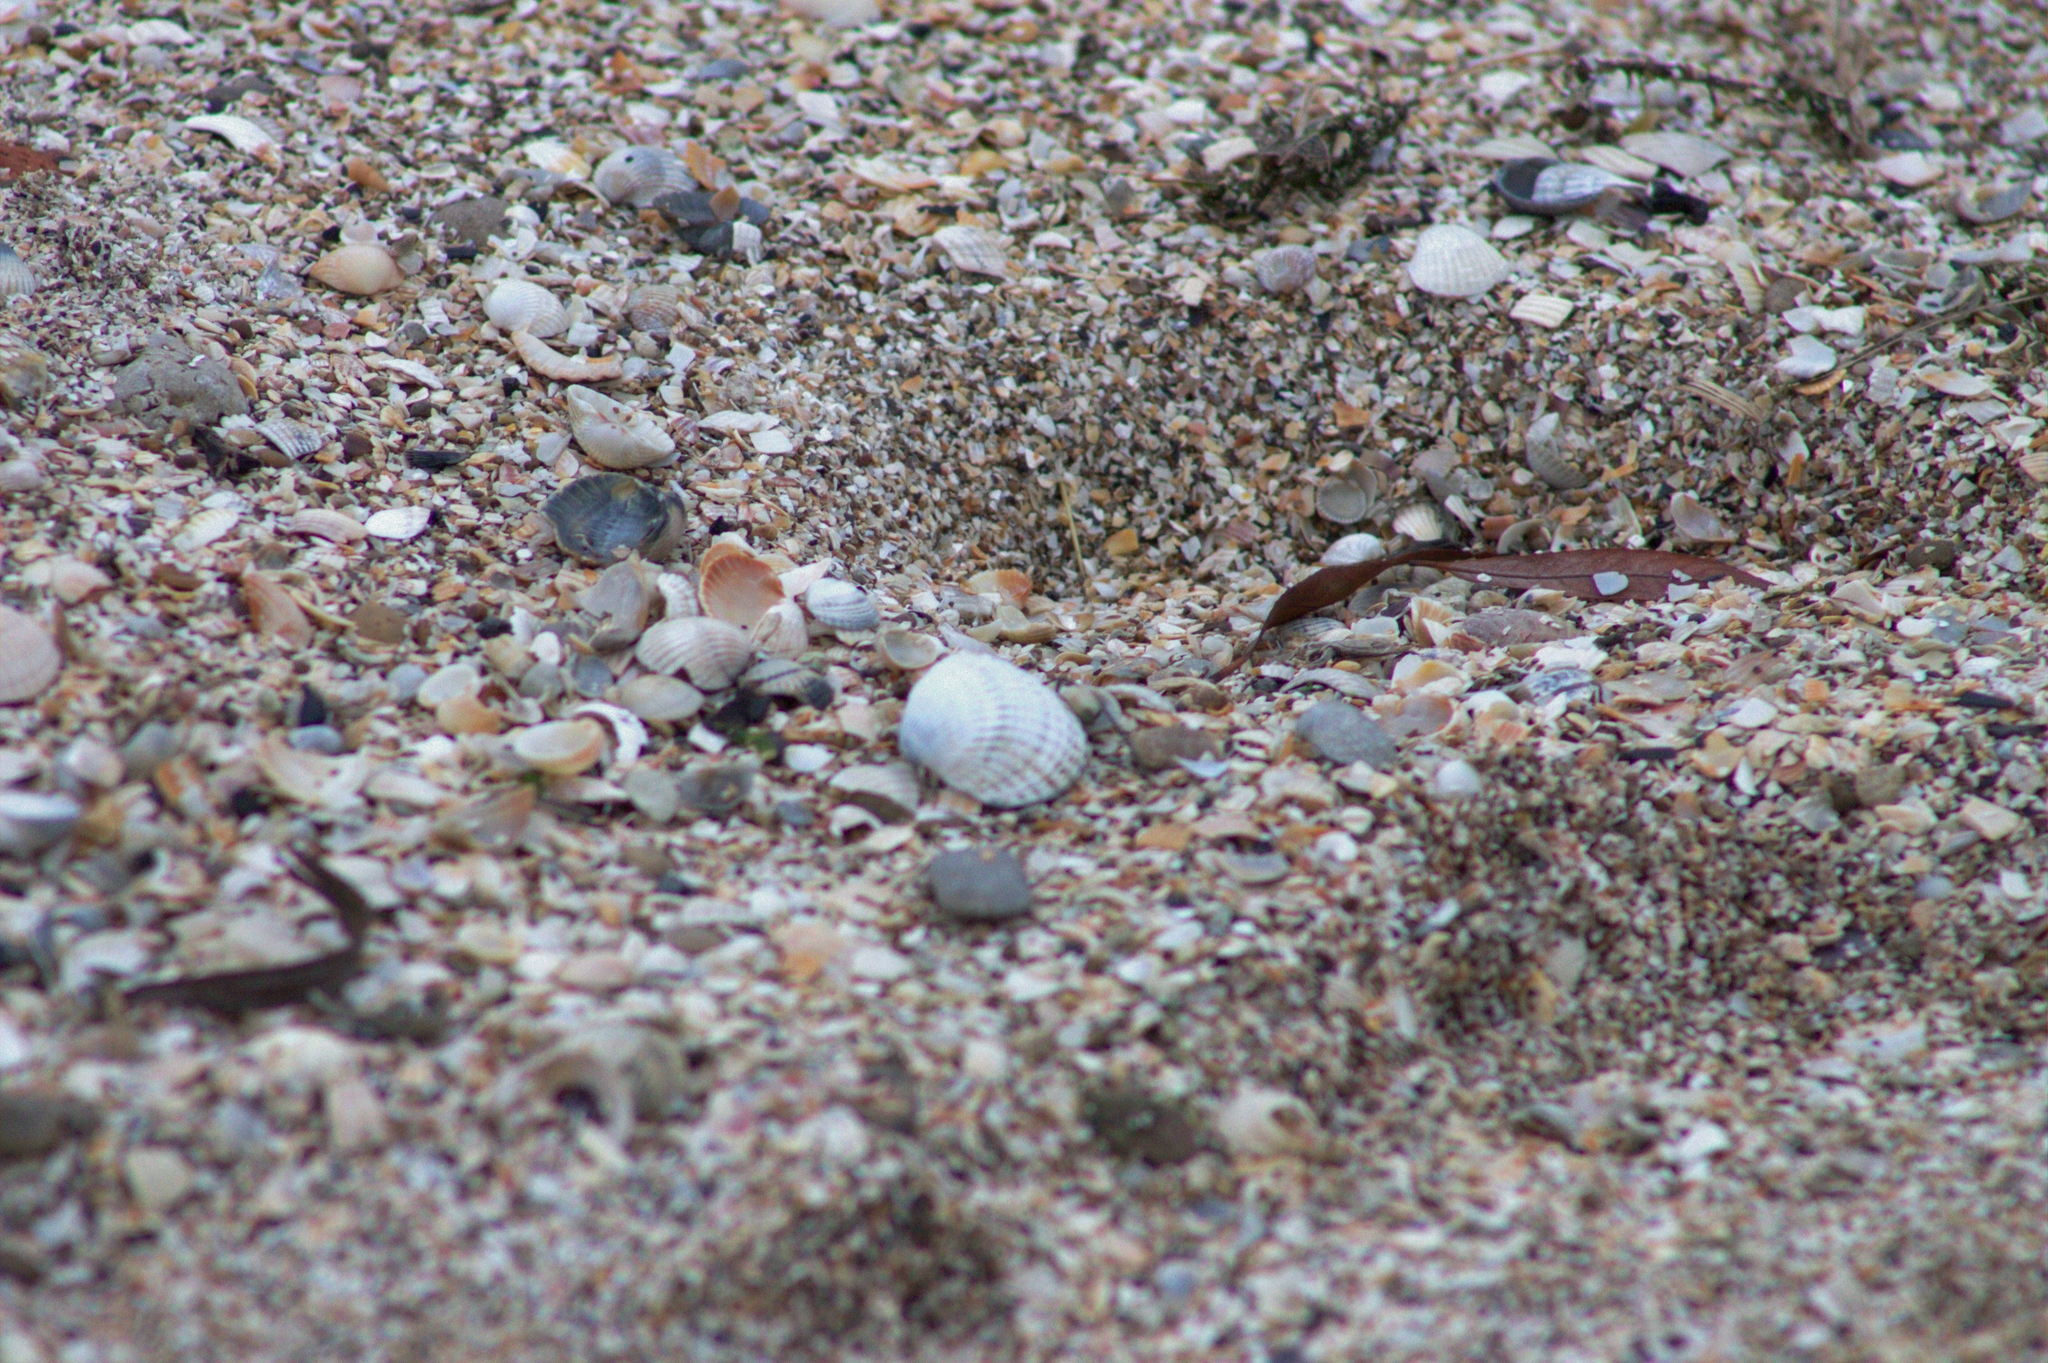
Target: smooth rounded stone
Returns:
[1342, 733]
[356, 1120]
[1134, 1124]
[652, 696]
[1257, 868]
[405, 681]
[654, 793]
[1456, 780]
[596, 972]
[31, 821]
[715, 789]
[158, 1179]
[979, 884]
[1164, 748]
[320, 738]
[806, 758]
[888, 791]
[148, 748]
[35, 1119]
[543, 682]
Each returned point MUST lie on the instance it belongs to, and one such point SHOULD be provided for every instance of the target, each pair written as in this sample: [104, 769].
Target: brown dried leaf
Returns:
[17, 160]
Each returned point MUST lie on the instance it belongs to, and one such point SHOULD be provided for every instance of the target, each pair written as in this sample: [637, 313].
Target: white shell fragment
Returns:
[361, 269]
[1679, 153]
[973, 250]
[1955, 383]
[1610, 584]
[1542, 309]
[205, 527]
[992, 731]
[637, 176]
[556, 158]
[522, 305]
[244, 135]
[614, 435]
[333, 526]
[550, 363]
[399, 523]
[1515, 148]
[1285, 269]
[1808, 358]
[29, 658]
[1910, 169]
[1696, 522]
[1842, 321]
[1455, 262]
[1615, 161]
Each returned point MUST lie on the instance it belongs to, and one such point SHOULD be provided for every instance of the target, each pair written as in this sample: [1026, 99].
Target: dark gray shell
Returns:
[1536, 185]
[606, 516]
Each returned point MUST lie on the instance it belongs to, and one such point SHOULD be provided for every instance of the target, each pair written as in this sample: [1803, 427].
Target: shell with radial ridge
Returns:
[1420, 522]
[29, 658]
[603, 517]
[361, 269]
[17, 280]
[836, 604]
[781, 632]
[654, 309]
[637, 176]
[614, 435]
[711, 653]
[973, 250]
[1455, 262]
[992, 731]
[522, 305]
[735, 586]
[1552, 187]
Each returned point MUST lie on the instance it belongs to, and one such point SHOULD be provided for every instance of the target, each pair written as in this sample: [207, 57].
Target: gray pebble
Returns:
[1342, 733]
[405, 681]
[322, 738]
[543, 682]
[654, 793]
[979, 885]
[1165, 747]
[148, 748]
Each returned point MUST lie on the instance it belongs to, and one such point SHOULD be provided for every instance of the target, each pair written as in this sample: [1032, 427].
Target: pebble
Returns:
[35, 1120]
[1166, 746]
[320, 738]
[1343, 734]
[979, 884]
[158, 1179]
[656, 794]
[356, 1121]
[405, 681]
[1134, 1124]
[148, 748]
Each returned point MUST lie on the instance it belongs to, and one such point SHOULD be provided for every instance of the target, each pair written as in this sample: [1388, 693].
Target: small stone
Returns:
[35, 1120]
[405, 681]
[379, 623]
[481, 942]
[1876, 786]
[654, 793]
[320, 738]
[148, 748]
[596, 972]
[158, 1179]
[1134, 1124]
[979, 885]
[877, 963]
[1338, 732]
[355, 1116]
[1164, 748]
[1456, 780]
[715, 789]
[1257, 868]
[1994, 822]
[806, 758]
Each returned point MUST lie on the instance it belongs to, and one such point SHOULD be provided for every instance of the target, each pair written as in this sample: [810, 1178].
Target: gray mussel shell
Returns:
[787, 680]
[603, 517]
[1546, 187]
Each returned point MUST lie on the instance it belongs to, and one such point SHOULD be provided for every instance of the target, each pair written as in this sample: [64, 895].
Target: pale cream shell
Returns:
[553, 364]
[1542, 309]
[557, 158]
[992, 731]
[292, 438]
[781, 632]
[654, 309]
[637, 176]
[710, 652]
[615, 436]
[205, 527]
[399, 523]
[1679, 153]
[561, 747]
[906, 650]
[362, 269]
[1420, 521]
[29, 658]
[1695, 521]
[1615, 161]
[653, 696]
[735, 586]
[326, 524]
[1451, 261]
[974, 250]
[522, 305]
[841, 605]
[244, 135]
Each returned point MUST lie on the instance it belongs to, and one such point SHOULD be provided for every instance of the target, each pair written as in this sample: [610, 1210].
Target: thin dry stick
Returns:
[1939, 319]
[1074, 534]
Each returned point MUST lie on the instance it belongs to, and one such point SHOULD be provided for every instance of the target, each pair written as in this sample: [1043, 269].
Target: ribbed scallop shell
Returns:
[17, 280]
[362, 269]
[992, 731]
[781, 631]
[327, 524]
[654, 309]
[637, 176]
[1342, 502]
[1542, 309]
[605, 516]
[557, 158]
[1544, 453]
[522, 305]
[1354, 549]
[1420, 521]
[973, 250]
[29, 658]
[399, 523]
[1679, 153]
[841, 605]
[710, 652]
[1552, 187]
[615, 436]
[1284, 269]
[205, 526]
[1618, 162]
[735, 586]
[244, 135]
[292, 438]
[1455, 262]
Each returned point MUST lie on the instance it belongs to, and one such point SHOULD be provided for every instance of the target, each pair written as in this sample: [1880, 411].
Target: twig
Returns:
[1074, 534]
[1968, 310]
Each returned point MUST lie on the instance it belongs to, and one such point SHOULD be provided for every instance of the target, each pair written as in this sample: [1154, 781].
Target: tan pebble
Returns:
[1792, 948]
[158, 1179]
[486, 943]
[355, 1116]
[1993, 822]
[272, 611]
[598, 972]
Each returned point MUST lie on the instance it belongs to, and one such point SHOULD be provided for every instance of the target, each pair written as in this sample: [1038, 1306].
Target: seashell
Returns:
[1263, 1123]
[784, 680]
[974, 250]
[616, 436]
[1429, 621]
[293, 439]
[1455, 262]
[1542, 309]
[1434, 467]
[362, 269]
[667, 699]
[1522, 537]
[1808, 359]
[781, 632]
[399, 523]
[1976, 204]
[627, 1072]
[17, 280]
[992, 731]
[1842, 321]
[887, 791]
[735, 586]
[243, 134]
[1011, 584]
[841, 605]
[1679, 153]
[1543, 452]
[1342, 502]
[29, 658]
[1615, 161]
[550, 363]
[272, 611]
[31, 821]
[1955, 383]
[333, 526]
[1552, 187]
[205, 527]
[1909, 169]
[562, 747]
[2027, 126]
[637, 176]
[1420, 522]
[710, 652]
[522, 305]
[556, 158]
[1517, 148]
[654, 309]
[1354, 549]
[1696, 522]
[906, 650]
[616, 605]
[1285, 269]
[70, 580]
[603, 517]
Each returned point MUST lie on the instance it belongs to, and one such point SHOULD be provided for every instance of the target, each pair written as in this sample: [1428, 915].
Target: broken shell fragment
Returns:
[785, 680]
[522, 305]
[710, 652]
[1982, 204]
[973, 250]
[361, 269]
[603, 517]
[735, 586]
[550, 363]
[841, 605]
[614, 435]
[243, 134]
[557, 158]
[293, 439]
[399, 523]
[1695, 521]
[1455, 262]
[667, 699]
[272, 611]
[1544, 453]
[29, 658]
[1262, 1123]
[1542, 309]
[1552, 187]
[637, 176]
[1909, 169]
[906, 650]
[1679, 153]
[562, 747]
[781, 632]
[992, 731]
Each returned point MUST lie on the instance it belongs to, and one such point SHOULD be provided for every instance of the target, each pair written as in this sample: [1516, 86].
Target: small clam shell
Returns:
[1542, 309]
[1696, 522]
[31, 820]
[655, 697]
[992, 731]
[1543, 452]
[399, 523]
[1284, 269]
[615, 436]
[786, 680]
[557, 158]
[1011, 584]
[735, 586]
[292, 438]
[654, 309]
[1978, 204]
[1909, 169]
[361, 269]
[333, 526]
[974, 250]
[710, 652]
[906, 650]
[1808, 358]
[550, 363]
[1354, 549]
[244, 135]
[17, 280]
[781, 631]
[522, 305]
[1420, 522]
[1552, 187]
[563, 747]
[841, 605]
[1261, 1123]
[1433, 466]
[1455, 262]
[606, 516]
[1523, 536]
[637, 176]
[1342, 502]
[1679, 153]
[29, 658]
